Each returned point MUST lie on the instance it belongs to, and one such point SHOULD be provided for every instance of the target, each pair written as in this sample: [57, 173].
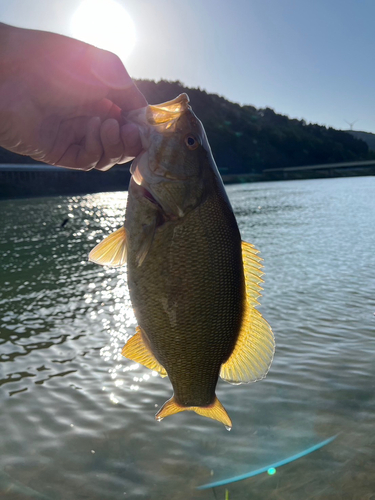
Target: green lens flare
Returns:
[271, 471]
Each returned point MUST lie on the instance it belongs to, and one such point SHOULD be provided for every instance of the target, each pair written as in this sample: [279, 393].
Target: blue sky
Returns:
[307, 59]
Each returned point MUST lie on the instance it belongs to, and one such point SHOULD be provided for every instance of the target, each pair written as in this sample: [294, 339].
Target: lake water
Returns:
[77, 419]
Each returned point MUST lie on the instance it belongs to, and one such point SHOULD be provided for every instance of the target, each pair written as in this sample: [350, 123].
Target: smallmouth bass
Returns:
[193, 283]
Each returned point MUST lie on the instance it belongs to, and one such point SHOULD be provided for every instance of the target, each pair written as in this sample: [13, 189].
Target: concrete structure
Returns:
[18, 181]
[351, 168]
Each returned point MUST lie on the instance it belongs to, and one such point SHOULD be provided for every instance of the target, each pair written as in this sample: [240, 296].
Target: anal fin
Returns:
[137, 350]
[112, 250]
[255, 347]
[216, 411]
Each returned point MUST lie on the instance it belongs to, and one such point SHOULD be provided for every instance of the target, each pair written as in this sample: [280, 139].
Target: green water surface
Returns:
[77, 419]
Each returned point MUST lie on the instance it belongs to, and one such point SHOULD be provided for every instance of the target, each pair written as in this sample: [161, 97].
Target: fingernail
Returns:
[108, 68]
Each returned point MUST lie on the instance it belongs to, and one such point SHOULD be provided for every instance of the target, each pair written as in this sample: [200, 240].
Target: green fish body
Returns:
[193, 283]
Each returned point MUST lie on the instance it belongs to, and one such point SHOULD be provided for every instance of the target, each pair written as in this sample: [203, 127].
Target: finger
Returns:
[92, 145]
[128, 99]
[109, 70]
[79, 73]
[87, 154]
[132, 142]
[105, 109]
[112, 144]
[57, 136]
[120, 144]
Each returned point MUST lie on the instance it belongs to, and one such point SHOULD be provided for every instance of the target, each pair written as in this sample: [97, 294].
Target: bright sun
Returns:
[105, 24]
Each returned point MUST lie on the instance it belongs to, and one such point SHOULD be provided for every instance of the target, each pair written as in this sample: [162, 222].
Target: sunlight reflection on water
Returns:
[67, 391]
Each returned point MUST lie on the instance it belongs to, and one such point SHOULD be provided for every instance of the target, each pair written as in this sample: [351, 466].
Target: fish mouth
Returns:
[148, 195]
[164, 114]
[169, 111]
[166, 210]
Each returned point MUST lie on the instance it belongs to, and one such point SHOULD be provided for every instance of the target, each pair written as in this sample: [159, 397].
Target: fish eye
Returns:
[191, 142]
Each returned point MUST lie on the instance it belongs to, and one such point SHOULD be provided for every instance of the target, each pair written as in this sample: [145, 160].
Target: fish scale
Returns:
[197, 262]
[193, 284]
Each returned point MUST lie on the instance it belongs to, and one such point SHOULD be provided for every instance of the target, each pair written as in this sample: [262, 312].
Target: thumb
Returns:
[110, 71]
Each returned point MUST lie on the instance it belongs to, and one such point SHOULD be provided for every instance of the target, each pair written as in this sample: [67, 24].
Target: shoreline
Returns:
[38, 180]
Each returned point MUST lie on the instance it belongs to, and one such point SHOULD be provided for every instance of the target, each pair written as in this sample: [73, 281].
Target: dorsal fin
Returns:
[253, 353]
[137, 350]
[112, 250]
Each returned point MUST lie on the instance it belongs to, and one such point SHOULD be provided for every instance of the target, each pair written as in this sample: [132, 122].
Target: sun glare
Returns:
[105, 24]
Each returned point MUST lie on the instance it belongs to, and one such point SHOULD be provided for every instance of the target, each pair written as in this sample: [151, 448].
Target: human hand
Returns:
[61, 101]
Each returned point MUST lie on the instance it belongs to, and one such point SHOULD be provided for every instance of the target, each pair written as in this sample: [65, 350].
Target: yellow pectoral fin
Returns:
[111, 251]
[137, 350]
[216, 411]
[255, 347]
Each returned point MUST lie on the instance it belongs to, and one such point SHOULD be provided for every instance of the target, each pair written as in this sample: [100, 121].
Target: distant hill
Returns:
[368, 137]
[247, 140]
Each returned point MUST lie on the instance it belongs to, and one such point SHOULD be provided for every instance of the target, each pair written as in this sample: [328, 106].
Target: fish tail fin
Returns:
[216, 411]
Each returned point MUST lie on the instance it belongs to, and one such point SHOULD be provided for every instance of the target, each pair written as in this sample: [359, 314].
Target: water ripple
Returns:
[78, 418]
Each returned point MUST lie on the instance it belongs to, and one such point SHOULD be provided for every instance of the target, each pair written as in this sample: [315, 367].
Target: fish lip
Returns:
[169, 111]
[160, 114]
